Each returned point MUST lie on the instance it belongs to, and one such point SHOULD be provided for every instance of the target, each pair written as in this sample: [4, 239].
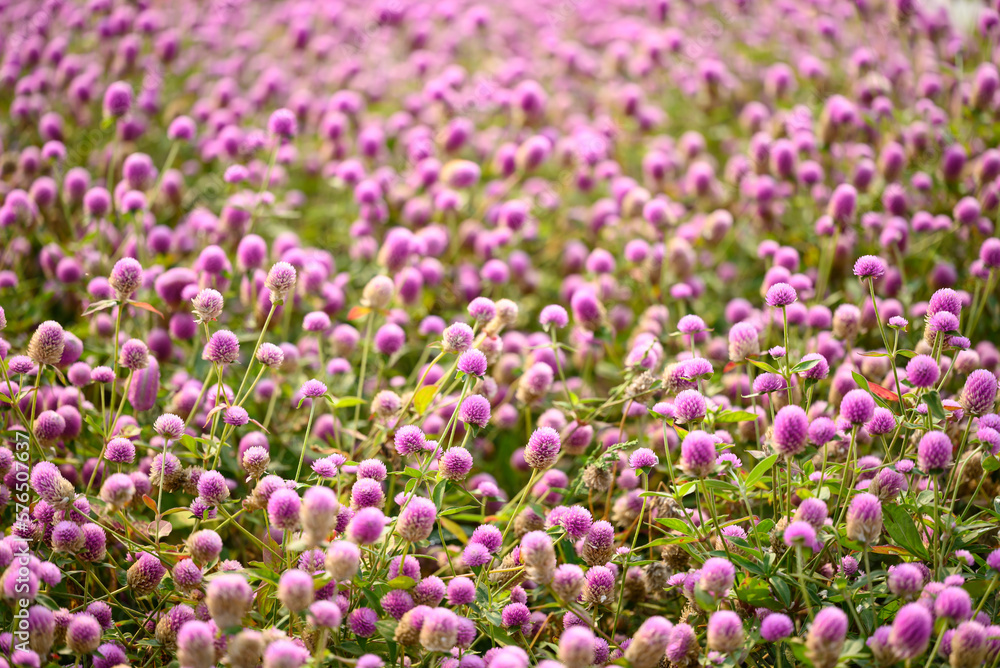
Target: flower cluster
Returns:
[466, 335]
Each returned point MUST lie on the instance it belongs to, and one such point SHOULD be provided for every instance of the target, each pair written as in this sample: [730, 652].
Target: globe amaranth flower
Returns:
[643, 459]
[473, 363]
[980, 392]
[554, 316]
[781, 295]
[869, 266]
[725, 631]
[800, 534]
[366, 526]
[857, 407]
[698, 454]
[270, 355]
[934, 452]
[168, 426]
[717, 576]
[791, 428]
[125, 277]
[911, 631]
[280, 281]
[455, 463]
[207, 305]
[223, 347]
[457, 338]
[826, 636]
[690, 406]
[922, 371]
[475, 410]
[283, 124]
[47, 344]
[542, 449]
[864, 518]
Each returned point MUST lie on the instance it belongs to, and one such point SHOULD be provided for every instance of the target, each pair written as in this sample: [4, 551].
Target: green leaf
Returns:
[757, 594]
[735, 416]
[934, 405]
[348, 402]
[758, 471]
[991, 464]
[100, 306]
[860, 380]
[900, 527]
[805, 365]
[423, 397]
[675, 524]
[401, 582]
[763, 365]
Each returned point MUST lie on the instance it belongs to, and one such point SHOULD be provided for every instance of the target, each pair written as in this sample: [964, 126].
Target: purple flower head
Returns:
[542, 449]
[482, 310]
[690, 406]
[416, 520]
[980, 392]
[118, 99]
[280, 281]
[776, 626]
[781, 295]
[473, 363]
[791, 428]
[801, 534]
[717, 576]
[366, 526]
[553, 316]
[126, 277]
[725, 632]
[270, 355]
[475, 410]
[934, 452]
[857, 407]
[698, 454]
[883, 422]
[409, 440]
[283, 124]
[864, 518]
[313, 389]
[283, 509]
[767, 383]
[457, 338]
[869, 266]
[953, 604]
[922, 371]
[222, 348]
[455, 463]
[643, 459]
[911, 631]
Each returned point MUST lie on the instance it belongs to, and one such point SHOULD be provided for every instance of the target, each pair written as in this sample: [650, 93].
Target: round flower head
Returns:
[717, 576]
[473, 363]
[283, 124]
[228, 598]
[791, 428]
[235, 416]
[869, 266]
[857, 407]
[83, 635]
[482, 310]
[169, 426]
[922, 371]
[144, 574]
[270, 355]
[205, 546]
[643, 459]
[295, 590]
[826, 637]
[911, 631]
[980, 392]
[905, 580]
[120, 451]
[780, 295]
[222, 348]
[362, 621]
[366, 526]
[117, 99]
[48, 426]
[864, 518]
[553, 316]
[342, 560]
[117, 491]
[953, 604]
[800, 534]
[409, 440]
[883, 422]
[378, 292]
[313, 389]
[698, 454]
[280, 281]
[126, 277]
[285, 654]
[457, 338]
[934, 452]
[475, 410]
[47, 343]
[67, 537]
[207, 305]
[134, 355]
[416, 520]
[455, 463]
[813, 511]
[196, 644]
[283, 509]
[743, 341]
[725, 631]
[690, 406]
[542, 449]
[776, 626]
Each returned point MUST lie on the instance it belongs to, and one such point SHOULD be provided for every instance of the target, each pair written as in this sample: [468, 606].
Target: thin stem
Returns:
[305, 440]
